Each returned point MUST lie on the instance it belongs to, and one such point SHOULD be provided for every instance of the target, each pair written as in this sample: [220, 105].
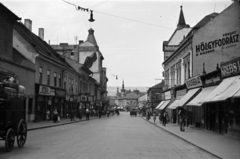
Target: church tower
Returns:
[123, 89]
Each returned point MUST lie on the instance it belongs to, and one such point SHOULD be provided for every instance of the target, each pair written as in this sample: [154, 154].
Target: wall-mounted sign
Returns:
[60, 93]
[167, 95]
[180, 93]
[194, 82]
[83, 98]
[170, 47]
[67, 97]
[78, 99]
[227, 40]
[213, 80]
[230, 68]
[44, 90]
[52, 92]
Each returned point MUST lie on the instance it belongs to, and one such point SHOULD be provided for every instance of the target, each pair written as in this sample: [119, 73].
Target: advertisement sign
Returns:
[230, 68]
[214, 80]
[167, 95]
[180, 93]
[60, 93]
[44, 90]
[83, 98]
[193, 82]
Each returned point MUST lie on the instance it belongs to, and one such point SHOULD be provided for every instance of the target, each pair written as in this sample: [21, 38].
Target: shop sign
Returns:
[78, 99]
[44, 90]
[226, 41]
[75, 98]
[60, 93]
[52, 92]
[180, 93]
[67, 97]
[194, 82]
[230, 68]
[90, 99]
[167, 95]
[83, 98]
[170, 47]
[213, 80]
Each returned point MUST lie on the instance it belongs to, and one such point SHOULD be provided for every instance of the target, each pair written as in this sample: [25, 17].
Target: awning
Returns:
[226, 89]
[236, 95]
[164, 104]
[198, 100]
[159, 105]
[184, 100]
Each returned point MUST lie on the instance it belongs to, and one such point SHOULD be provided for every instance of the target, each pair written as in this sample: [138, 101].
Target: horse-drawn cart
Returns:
[12, 114]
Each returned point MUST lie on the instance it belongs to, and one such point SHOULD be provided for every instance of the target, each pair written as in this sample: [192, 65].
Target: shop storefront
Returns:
[48, 98]
[223, 114]
[176, 96]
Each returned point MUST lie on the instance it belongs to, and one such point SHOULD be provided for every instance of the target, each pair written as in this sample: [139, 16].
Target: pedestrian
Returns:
[154, 116]
[72, 116]
[164, 119]
[160, 117]
[80, 113]
[48, 115]
[182, 119]
[99, 114]
[87, 114]
[55, 116]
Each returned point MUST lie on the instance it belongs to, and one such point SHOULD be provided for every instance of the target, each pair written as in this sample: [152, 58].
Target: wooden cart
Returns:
[12, 114]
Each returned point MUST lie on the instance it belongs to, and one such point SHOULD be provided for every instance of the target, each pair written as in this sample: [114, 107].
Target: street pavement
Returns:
[224, 146]
[118, 137]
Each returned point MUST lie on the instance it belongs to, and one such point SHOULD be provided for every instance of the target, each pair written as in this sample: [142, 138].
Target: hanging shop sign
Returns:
[167, 95]
[230, 68]
[226, 41]
[83, 98]
[193, 82]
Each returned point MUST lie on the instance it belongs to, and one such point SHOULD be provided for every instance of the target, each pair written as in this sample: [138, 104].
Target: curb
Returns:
[49, 126]
[183, 139]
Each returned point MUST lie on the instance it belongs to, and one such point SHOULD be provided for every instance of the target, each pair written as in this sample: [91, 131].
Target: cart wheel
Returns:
[9, 140]
[21, 133]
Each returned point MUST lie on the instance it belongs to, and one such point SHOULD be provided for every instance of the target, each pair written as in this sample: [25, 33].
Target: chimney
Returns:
[28, 24]
[41, 33]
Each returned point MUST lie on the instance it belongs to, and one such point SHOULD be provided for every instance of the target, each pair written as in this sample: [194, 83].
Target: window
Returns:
[48, 77]
[72, 85]
[172, 75]
[59, 80]
[40, 75]
[55, 79]
[69, 84]
[65, 82]
[178, 67]
[76, 86]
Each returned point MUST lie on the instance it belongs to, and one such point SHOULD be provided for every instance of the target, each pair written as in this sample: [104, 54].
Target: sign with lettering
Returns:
[167, 95]
[44, 90]
[60, 93]
[180, 94]
[194, 82]
[83, 98]
[213, 80]
[230, 68]
[227, 40]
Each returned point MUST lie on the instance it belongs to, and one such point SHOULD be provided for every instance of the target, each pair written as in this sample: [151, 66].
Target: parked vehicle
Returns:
[12, 123]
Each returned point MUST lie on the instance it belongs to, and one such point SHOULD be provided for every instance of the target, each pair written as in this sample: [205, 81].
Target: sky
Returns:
[129, 34]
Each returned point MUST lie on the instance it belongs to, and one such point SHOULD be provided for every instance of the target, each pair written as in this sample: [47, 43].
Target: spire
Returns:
[123, 90]
[181, 22]
[91, 37]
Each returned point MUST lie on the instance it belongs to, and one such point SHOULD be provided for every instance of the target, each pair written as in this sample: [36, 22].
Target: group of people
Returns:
[55, 116]
[163, 118]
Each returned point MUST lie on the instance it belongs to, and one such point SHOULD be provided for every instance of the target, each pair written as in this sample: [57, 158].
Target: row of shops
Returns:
[49, 98]
[211, 101]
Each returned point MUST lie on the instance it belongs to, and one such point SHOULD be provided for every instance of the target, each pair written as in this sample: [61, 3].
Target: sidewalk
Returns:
[223, 146]
[47, 124]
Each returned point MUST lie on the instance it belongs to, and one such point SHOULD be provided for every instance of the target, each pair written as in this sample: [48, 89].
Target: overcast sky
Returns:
[129, 33]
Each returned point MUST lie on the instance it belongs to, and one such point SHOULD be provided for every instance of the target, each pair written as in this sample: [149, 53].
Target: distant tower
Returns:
[123, 89]
[118, 94]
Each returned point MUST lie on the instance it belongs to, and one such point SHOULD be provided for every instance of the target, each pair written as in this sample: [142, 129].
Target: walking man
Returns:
[182, 120]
